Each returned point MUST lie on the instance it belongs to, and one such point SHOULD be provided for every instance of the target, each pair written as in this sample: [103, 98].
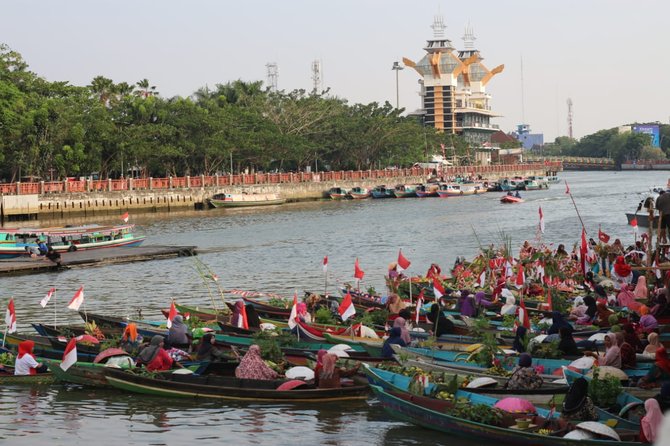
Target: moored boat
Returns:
[382, 191]
[359, 193]
[456, 189]
[226, 200]
[427, 190]
[404, 190]
[338, 193]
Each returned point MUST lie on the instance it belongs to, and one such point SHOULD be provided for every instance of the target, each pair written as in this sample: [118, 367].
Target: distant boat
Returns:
[338, 193]
[529, 184]
[456, 189]
[405, 190]
[511, 199]
[507, 184]
[427, 190]
[245, 200]
[358, 193]
[382, 191]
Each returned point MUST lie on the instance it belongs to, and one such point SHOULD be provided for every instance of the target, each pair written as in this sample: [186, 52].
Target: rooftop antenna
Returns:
[438, 26]
[570, 118]
[272, 75]
[469, 37]
[316, 76]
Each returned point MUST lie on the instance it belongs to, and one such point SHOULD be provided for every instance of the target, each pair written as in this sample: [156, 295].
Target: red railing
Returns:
[55, 187]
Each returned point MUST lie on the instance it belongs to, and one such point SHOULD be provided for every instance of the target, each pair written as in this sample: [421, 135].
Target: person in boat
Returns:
[663, 206]
[558, 322]
[647, 323]
[330, 376]
[207, 350]
[394, 304]
[659, 372]
[395, 337]
[631, 337]
[524, 376]
[131, 339]
[510, 303]
[663, 397]
[42, 247]
[178, 334]
[481, 302]
[466, 304]
[154, 357]
[561, 252]
[319, 361]
[626, 298]
[434, 272]
[628, 355]
[25, 363]
[621, 273]
[578, 309]
[401, 323]
[517, 194]
[612, 355]
[302, 313]
[252, 366]
[577, 405]
[590, 312]
[641, 291]
[519, 339]
[238, 312]
[650, 424]
[567, 344]
[603, 315]
[654, 344]
[440, 324]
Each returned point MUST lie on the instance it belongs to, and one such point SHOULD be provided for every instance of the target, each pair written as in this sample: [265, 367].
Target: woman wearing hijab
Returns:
[25, 363]
[395, 304]
[404, 332]
[467, 304]
[626, 298]
[612, 355]
[628, 356]
[154, 356]
[395, 337]
[631, 337]
[524, 376]
[648, 323]
[252, 366]
[510, 303]
[603, 314]
[319, 361]
[650, 424]
[481, 301]
[519, 339]
[577, 405]
[659, 372]
[440, 324]
[567, 344]
[303, 314]
[238, 311]
[622, 274]
[207, 350]
[178, 333]
[558, 322]
[654, 344]
[641, 290]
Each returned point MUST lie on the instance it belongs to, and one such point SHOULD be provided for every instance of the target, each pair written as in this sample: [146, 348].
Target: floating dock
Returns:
[94, 257]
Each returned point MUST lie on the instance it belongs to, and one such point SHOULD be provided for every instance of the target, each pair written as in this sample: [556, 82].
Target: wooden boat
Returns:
[84, 373]
[404, 190]
[16, 242]
[226, 200]
[358, 193]
[382, 191]
[508, 184]
[227, 388]
[427, 190]
[113, 325]
[456, 190]
[43, 347]
[511, 199]
[541, 181]
[642, 219]
[629, 396]
[338, 193]
[7, 377]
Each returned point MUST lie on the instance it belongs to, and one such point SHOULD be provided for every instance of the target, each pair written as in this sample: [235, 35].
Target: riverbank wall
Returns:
[89, 198]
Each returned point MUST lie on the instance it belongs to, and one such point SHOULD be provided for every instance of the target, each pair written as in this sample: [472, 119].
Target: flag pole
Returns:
[5, 336]
[575, 205]
[55, 310]
[325, 286]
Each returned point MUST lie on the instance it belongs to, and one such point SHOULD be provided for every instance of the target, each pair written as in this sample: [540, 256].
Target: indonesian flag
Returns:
[567, 188]
[77, 299]
[346, 308]
[172, 314]
[419, 304]
[10, 317]
[520, 277]
[294, 312]
[358, 272]
[403, 263]
[325, 264]
[550, 304]
[125, 217]
[242, 321]
[509, 271]
[438, 289]
[482, 279]
[70, 355]
[523, 315]
[45, 299]
[602, 236]
[633, 223]
[541, 220]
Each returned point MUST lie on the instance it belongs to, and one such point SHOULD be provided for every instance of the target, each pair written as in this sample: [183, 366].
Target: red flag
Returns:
[523, 314]
[70, 354]
[45, 299]
[403, 263]
[125, 217]
[520, 277]
[346, 308]
[77, 299]
[438, 289]
[325, 264]
[567, 188]
[10, 317]
[602, 236]
[583, 250]
[171, 315]
[358, 272]
[419, 304]
[294, 312]
[541, 220]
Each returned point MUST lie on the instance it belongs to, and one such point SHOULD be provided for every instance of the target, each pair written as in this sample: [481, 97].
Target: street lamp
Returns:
[397, 67]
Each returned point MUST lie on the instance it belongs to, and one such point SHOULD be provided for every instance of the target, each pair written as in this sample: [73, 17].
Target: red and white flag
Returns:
[77, 299]
[294, 312]
[509, 271]
[419, 304]
[523, 315]
[172, 314]
[10, 317]
[70, 354]
[358, 272]
[242, 321]
[633, 223]
[602, 236]
[403, 263]
[567, 188]
[541, 220]
[482, 279]
[325, 264]
[45, 299]
[520, 277]
[438, 289]
[125, 217]
[346, 308]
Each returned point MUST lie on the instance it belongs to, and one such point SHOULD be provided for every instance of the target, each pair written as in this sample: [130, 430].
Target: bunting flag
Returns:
[520, 277]
[358, 272]
[10, 317]
[419, 304]
[171, 315]
[346, 308]
[77, 299]
[523, 315]
[125, 217]
[294, 312]
[438, 289]
[541, 220]
[325, 264]
[633, 223]
[482, 279]
[45, 299]
[70, 354]
[567, 188]
[403, 263]
[602, 236]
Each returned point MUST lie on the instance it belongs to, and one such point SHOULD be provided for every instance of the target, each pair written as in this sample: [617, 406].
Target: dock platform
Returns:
[94, 257]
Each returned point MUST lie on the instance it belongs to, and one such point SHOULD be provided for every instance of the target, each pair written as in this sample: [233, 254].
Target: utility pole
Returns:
[397, 67]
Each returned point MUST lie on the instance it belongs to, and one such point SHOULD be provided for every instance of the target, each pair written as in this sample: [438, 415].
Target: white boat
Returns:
[245, 200]
[456, 189]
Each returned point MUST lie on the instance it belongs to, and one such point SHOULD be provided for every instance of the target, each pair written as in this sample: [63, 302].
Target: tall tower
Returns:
[272, 75]
[316, 77]
[570, 118]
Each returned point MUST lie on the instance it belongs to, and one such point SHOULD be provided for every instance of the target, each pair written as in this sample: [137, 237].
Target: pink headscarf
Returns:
[613, 354]
[404, 332]
[641, 291]
[626, 298]
[651, 422]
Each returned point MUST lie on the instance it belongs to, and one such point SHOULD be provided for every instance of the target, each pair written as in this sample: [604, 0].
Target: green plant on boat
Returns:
[374, 317]
[371, 291]
[7, 358]
[210, 280]
[479, 326]
[548, 350]
[508, 321]
[479, 413]
[194, 322]
[324, 316]
[112, 342]
[604, 391]
[486, 354]
[271, 343]
[280, 302]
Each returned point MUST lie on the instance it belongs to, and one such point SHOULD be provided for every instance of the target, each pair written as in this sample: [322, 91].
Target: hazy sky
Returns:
[610, 56]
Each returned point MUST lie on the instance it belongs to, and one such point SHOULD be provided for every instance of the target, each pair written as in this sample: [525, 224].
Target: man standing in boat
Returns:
[663, 206]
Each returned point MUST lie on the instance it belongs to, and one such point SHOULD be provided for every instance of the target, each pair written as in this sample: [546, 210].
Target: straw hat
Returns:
[579, 434]
[482, 382]
[599, 429]
[300, 372]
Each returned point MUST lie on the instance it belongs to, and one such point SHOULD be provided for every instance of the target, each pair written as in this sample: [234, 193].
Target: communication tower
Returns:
[570, 118]
[316, 76]
[273, 75]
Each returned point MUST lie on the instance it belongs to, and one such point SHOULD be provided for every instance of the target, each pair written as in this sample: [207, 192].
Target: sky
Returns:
[609, 56]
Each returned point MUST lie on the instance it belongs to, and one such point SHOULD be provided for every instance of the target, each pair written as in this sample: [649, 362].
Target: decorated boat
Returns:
[338, 193]
[226, 200]
[15, 242]
[358, 193]
[382, 191]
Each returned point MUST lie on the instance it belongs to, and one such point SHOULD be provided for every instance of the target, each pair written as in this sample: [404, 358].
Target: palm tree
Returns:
[145, 89]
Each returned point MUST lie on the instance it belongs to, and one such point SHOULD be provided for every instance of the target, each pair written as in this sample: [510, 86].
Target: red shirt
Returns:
[162, 361]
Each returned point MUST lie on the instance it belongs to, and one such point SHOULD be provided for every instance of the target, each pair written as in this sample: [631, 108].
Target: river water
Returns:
[280, 250]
